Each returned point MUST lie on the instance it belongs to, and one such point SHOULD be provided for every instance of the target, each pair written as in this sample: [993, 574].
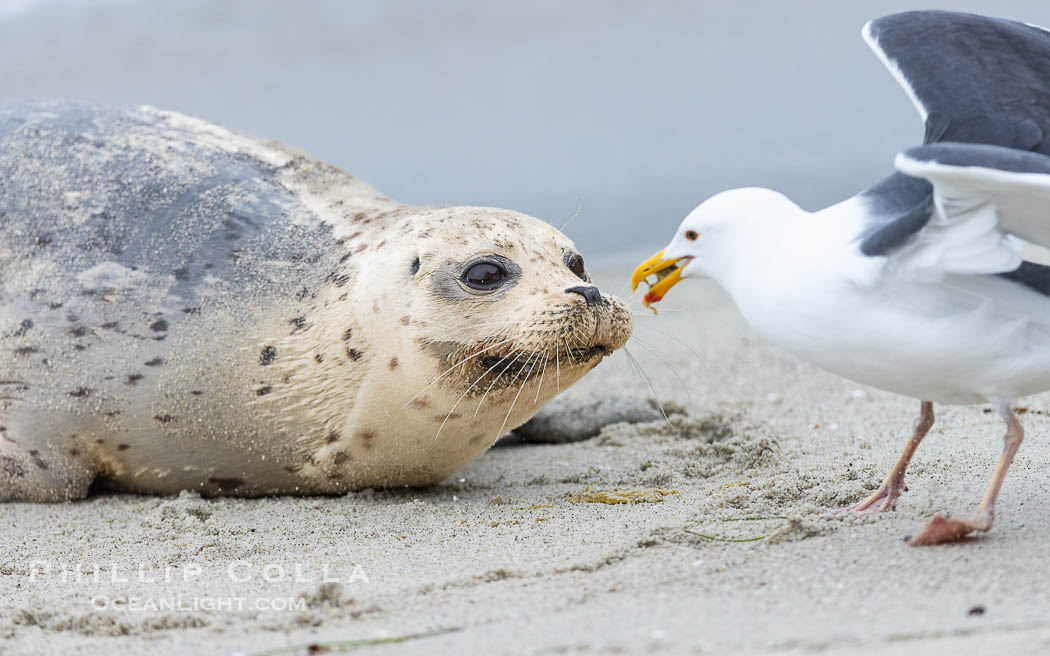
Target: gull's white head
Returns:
[712, 239]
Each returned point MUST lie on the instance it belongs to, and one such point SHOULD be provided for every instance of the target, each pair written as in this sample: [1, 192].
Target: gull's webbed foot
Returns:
[887, 494]
[942, 530]
[893, 484]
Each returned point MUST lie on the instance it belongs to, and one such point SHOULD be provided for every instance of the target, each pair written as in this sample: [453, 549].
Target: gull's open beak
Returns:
[667, 272]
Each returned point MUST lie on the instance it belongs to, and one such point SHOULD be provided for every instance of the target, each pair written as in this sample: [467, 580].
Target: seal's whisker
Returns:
[522, 369]
[652, 351]
[496, 323]
[579, 206]
[453, 368]
[539, 386]
[624, 289]
[648, 313]
[464, 395]
[512, 381]
[633, 298]
[484, 350]
[699, 358]
[575, 336]
[557, 363]
[630, 368]
[633, 366]
[520, 390]
[498, 376]
[652, 389]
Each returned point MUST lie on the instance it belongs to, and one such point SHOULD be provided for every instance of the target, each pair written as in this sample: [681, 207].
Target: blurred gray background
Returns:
[631, 112]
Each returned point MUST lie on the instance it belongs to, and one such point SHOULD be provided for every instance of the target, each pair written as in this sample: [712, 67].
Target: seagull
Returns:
[916, 285]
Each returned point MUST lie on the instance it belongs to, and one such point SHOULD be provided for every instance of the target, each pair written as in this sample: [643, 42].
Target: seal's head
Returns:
[506, 298]
[482, 315]
[437, 330]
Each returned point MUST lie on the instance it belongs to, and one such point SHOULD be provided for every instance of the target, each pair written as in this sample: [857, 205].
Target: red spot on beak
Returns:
[652, 297]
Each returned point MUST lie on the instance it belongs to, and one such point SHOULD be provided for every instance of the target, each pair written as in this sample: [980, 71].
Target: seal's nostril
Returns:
[590, 294]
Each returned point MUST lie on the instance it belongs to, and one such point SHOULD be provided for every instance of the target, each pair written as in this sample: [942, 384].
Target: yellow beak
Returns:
[668, 273]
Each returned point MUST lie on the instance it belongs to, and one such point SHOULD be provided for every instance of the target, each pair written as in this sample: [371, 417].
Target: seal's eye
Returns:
[484, 275]
[575, 264]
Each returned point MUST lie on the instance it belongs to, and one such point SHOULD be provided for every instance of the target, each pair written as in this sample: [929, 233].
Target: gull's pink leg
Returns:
[893, 484]
[943, 529]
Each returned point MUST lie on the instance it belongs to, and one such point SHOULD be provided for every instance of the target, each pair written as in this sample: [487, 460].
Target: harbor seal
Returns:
[186, 308]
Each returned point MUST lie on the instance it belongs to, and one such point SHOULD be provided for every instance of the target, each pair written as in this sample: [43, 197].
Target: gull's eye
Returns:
[691, 235]
[575, 264]
[484, 275]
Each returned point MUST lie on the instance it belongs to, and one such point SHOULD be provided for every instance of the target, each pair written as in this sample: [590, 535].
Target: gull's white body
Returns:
[802, 283]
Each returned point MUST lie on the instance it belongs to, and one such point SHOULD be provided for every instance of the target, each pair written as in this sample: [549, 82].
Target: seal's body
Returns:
[183, 307]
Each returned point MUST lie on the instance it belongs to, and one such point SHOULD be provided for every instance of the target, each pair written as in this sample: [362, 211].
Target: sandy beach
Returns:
[725, 544]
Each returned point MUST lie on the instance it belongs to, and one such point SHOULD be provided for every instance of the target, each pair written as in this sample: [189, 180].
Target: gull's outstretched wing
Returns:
[974, 80]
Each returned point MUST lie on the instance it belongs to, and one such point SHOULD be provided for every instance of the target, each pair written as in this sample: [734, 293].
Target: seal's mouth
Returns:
[555, 347]
[505, 365]
[588, 354]
[492, 362]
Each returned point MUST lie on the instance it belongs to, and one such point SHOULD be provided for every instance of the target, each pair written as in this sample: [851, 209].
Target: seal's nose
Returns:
[590, 294]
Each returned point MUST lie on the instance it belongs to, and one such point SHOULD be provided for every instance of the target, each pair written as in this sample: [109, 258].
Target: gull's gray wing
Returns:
[973, 79]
